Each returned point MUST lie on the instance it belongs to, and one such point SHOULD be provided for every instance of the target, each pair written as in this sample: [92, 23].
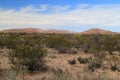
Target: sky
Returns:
[73, 15]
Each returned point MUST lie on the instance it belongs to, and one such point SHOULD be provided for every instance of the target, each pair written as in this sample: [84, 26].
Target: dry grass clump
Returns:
[58, 74]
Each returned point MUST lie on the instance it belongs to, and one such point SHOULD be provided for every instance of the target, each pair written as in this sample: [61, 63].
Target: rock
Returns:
[51, 55]
[116, 53]
[105, 65]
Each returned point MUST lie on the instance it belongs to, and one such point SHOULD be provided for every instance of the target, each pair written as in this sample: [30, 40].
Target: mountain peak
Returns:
[97, 31]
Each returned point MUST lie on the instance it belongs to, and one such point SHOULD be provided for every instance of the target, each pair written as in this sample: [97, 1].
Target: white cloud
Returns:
[43, 7]
[60, 9]
[48, 16]
[32, 9]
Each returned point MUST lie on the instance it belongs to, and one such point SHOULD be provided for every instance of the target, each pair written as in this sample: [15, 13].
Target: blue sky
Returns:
[19, 3]
[74, 15]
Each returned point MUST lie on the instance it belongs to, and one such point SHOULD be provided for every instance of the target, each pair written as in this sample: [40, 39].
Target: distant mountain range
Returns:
[35, 30]
[51, 31]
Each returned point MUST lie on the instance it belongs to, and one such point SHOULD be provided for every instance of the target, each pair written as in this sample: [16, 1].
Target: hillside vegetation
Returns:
[29, 54]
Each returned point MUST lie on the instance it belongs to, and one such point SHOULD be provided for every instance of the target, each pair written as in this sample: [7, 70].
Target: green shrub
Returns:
[27, 56]
[100, 54]
[114, 62]
[112, 43]
[62, 44]
[73, 51]
[83, 60]
[94, 64]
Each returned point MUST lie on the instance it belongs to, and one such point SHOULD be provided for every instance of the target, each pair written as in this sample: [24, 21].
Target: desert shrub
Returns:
[10, 40]
[94, 64]
[73, 51]
[102, 76]
[88, 76]
[62, 44]
[97, 43]
[62, 50]
[96, 76]
[1, 73]
[114, 67]
[111, 43]
[83, 60]
[100, 54]
[3, 40]
[12, 75]
[59, 74]
[72, 61]
[84, 42]
[27, 56]
[114, 62]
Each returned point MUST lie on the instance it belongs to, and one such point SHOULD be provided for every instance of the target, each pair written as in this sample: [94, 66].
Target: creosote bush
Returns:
[60, 43]
[83, 60]
[28, 57]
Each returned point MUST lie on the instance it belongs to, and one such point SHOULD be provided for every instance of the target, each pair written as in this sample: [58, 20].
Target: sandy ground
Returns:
[60, 61]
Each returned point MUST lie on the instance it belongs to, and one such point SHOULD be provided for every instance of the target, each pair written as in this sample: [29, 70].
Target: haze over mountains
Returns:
[36, 30]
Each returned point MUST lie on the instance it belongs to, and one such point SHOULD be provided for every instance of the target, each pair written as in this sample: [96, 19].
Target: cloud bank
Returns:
[61, 17]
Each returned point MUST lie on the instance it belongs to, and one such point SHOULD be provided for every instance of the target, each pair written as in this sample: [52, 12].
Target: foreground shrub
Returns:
[59, 74]
[1, 73]
[29, 57]
[83, 60]
[94, 64]
[72, 62]
[114, 62]
[99, 76]
[73, 51]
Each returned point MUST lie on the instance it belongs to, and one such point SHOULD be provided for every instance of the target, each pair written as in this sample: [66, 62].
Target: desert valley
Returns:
[36, 54]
